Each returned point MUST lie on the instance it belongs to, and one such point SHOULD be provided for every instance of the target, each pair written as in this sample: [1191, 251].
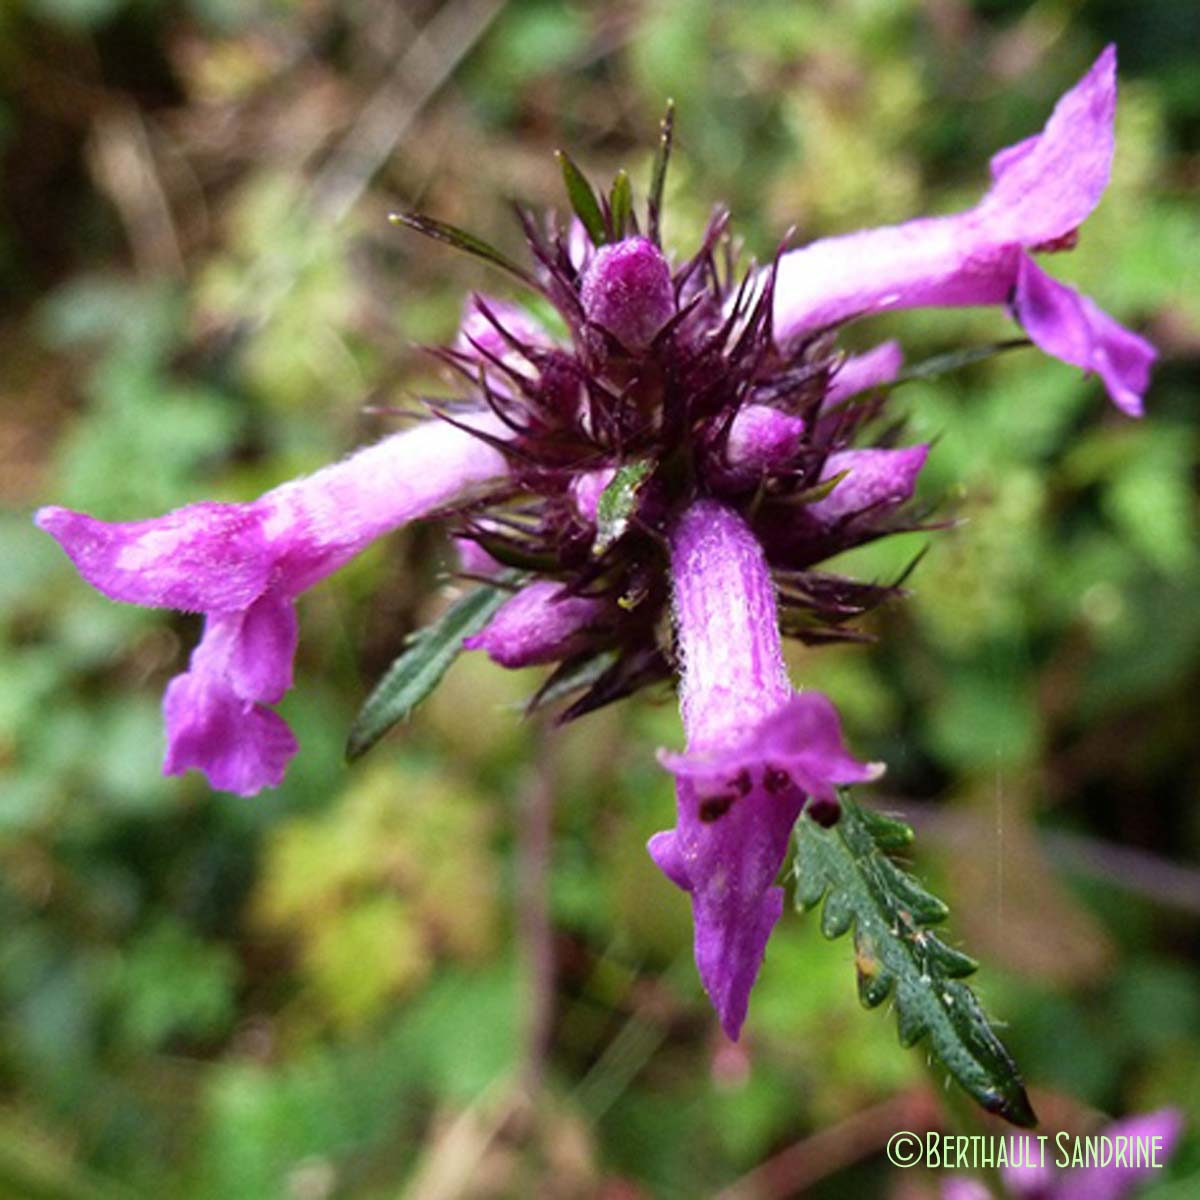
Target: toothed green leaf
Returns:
[887, 832]
[838, 914]
[898, 955]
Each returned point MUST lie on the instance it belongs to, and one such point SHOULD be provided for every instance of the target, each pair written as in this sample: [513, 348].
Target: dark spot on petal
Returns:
[776, 780]
[742, 783]
[1066, 241]
[824, 812]
[712, 807]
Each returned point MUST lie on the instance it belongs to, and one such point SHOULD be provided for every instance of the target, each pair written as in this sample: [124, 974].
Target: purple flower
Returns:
[542, 623]
[1042, 190]
[243, 565]
[869, 482]
[667, 481]
[626, 291]
[958, 1187]
[756, 751]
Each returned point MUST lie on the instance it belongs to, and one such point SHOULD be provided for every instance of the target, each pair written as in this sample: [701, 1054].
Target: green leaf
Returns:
[510, 554]
[583, 199]
[897, 955]
[572, 676]
[658, 176]
[617, 503]
[468, 243]
[818, 491]
[943, 364]
[420, 667]
[620, 204]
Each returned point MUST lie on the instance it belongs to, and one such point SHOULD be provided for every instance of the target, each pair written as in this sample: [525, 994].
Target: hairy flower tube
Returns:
[243, 565]
[659, 487]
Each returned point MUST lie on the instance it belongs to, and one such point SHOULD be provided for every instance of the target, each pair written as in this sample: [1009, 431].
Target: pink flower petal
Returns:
[244, 564]
[259, 665]
[540, 624]
[877, 480]
[204, 558]
[756, 753]
[862, 371]
[727, 633]
[1068, 325]
[240, 746]
[1044, 188]
[1047, 186]
[1115, 1181]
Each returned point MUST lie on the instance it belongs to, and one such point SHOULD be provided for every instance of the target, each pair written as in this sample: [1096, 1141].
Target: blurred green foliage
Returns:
[324, 991]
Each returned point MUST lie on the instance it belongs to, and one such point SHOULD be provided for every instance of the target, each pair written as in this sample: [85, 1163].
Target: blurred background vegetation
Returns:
[334, 990]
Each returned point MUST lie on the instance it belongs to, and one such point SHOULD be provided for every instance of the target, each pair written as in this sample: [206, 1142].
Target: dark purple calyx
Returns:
[668, 387]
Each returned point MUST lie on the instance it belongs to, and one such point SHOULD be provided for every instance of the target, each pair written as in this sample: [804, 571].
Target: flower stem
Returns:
[535, 930]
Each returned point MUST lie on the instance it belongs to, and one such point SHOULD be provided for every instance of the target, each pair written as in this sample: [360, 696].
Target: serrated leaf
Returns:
[896, 954]
[838, 914]
[888, 833]
[954, 964]
[912, 901]
[620, 205]
[658, 175]
[583, 199]
[617, 503]
[468, 243]
[420, 667]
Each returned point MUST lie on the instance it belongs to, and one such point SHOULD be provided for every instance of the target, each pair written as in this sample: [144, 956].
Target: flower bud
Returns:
[586, 489]
[627, 290]
[876, 480]
[538, 625]
[762, 439]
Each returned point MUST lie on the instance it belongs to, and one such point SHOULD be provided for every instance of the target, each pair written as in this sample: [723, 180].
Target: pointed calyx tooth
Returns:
[627, 291]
